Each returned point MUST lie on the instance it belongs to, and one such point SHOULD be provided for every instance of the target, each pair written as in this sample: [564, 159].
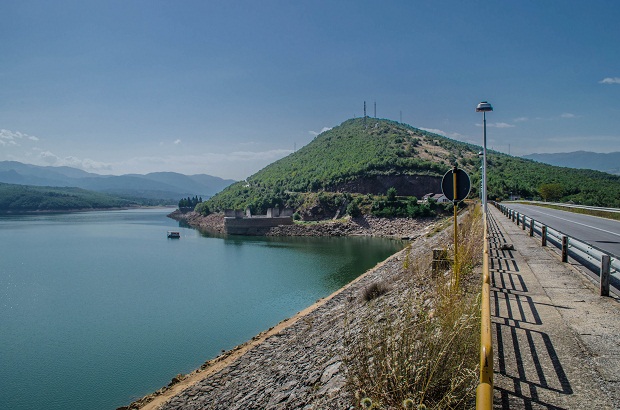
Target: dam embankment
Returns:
[398, 228]
[299, 363]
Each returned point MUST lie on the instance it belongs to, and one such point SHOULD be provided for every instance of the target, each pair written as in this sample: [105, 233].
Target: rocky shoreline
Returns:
[397, 228]
[298, 364]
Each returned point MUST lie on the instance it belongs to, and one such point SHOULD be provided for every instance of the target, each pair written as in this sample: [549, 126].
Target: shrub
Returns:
[202, 208]
[353, 209]
[391, 194]
[374, 291]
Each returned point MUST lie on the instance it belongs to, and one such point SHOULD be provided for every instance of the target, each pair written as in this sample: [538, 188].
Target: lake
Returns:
[100, 308]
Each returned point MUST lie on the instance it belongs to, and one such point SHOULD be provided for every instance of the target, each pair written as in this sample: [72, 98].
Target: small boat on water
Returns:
[174, 234]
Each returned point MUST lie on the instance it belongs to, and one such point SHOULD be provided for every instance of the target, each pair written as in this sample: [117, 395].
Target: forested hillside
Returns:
[23, 198]
[351, 154]
[530, 179]
[370, 156]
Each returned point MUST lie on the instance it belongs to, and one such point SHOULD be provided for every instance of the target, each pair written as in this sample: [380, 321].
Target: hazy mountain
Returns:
[26, 198]
[156, 185]
[13, 172]
[581, 159]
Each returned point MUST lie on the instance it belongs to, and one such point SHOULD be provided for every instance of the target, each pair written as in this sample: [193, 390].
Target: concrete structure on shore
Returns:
[236, 222]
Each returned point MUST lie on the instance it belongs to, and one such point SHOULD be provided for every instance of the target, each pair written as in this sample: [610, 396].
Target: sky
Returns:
[227, 87]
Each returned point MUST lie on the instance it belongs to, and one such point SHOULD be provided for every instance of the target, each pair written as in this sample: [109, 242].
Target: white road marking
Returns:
[579, 223]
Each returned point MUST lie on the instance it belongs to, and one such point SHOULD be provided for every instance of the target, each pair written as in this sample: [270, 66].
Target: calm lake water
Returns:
[100, 308]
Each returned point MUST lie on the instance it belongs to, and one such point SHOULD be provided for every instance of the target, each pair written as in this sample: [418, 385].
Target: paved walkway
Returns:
[557, 343]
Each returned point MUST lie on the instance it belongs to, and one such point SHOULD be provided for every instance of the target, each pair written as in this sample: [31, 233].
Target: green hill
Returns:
[370, 156]
[535, 180]
[24, 198]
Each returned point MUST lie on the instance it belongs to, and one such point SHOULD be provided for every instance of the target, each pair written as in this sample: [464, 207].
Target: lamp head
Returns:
[484, 106]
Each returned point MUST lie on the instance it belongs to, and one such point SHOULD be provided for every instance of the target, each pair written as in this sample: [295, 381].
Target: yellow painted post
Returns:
[484, 391]
[456, 246]
[484, 396]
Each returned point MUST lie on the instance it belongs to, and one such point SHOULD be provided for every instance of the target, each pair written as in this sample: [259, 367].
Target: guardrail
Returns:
[596, 260]
[484, 391]
[592, 208]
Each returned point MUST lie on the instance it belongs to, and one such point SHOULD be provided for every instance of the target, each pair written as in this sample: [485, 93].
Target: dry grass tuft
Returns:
[470, 237]
[423, 353]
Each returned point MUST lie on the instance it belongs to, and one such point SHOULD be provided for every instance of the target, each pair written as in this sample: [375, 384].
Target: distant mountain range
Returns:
[156, 185]
[609, 163]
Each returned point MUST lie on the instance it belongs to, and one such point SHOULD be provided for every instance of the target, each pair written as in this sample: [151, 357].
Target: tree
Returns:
[551, 192]
[391, 194]
[353, 209]
[190, 202]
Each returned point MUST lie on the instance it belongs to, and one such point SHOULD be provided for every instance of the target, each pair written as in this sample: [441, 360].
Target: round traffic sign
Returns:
[463, 185]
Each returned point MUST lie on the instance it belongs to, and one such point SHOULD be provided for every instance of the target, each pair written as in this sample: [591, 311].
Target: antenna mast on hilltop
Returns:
[375, 109]
[364, 114]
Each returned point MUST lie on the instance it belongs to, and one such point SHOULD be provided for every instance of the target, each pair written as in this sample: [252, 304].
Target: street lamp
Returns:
[480, 155]
[484, 107]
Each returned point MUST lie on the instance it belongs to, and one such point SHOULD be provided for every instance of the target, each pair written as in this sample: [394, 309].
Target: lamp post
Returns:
[484, 107]
[481, 174]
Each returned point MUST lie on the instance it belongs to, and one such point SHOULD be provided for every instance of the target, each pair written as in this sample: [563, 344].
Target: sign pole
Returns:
[456, 246]
[456, 188]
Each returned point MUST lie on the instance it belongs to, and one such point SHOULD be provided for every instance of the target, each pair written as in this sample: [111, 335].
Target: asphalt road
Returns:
[600, 232]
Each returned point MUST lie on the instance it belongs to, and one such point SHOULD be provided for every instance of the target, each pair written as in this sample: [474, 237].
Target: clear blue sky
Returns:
[227, 87]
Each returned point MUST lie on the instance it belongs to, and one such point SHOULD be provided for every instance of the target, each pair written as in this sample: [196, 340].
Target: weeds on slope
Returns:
[421, 352]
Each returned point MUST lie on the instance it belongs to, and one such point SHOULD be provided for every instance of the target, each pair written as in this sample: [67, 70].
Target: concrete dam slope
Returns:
[298, 363]
[556, 341]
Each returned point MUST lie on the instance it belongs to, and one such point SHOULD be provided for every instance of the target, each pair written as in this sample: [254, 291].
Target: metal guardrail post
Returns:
[532, 222]
[605, 268]
[523, 223]
[518, 218]
[564, 248]
[544, 235]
